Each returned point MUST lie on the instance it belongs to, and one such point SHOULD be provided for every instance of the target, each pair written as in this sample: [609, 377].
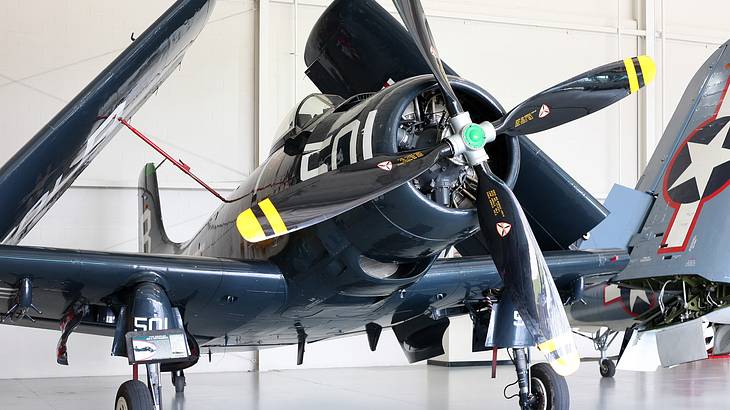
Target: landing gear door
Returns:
[506, 328]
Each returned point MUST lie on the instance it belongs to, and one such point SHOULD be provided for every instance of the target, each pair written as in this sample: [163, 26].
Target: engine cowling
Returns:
[382, 246]
[434, 211]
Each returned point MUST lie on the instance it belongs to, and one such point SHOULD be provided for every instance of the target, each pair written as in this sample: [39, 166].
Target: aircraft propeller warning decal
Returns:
[698, 171]
[434, 52]
[503, 228]
[544, 111]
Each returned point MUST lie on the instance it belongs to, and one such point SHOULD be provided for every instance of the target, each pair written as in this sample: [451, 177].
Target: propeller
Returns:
[516, 254]
[322, 197]
[575, 98]
[519, 261]
[415, 20]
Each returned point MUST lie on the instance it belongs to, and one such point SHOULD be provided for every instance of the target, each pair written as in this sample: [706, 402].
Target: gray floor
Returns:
[703, 385]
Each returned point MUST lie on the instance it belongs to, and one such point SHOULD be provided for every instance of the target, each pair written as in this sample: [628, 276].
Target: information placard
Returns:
[156, 346]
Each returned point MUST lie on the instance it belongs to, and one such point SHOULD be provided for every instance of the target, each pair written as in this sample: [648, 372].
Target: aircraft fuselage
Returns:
[346, 267]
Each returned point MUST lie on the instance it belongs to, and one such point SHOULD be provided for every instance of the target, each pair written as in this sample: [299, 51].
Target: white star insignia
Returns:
[705, 158]
[637, 294]
[611, 293]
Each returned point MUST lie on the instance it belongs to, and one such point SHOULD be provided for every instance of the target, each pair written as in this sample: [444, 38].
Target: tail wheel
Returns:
[549, 389]
[133, 395]
[178, 380]
[607, 368]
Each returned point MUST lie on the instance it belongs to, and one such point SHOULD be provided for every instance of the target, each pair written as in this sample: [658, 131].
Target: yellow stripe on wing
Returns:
[249, 227]
[277, 224]
[631, 71]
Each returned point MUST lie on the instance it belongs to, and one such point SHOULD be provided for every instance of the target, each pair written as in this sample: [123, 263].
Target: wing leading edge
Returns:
[61, 278]
[463, 279]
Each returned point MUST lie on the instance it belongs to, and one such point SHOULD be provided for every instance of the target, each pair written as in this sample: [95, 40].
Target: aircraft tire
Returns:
[550, 388]
[133, 395]
[607, 368]
[178, 380]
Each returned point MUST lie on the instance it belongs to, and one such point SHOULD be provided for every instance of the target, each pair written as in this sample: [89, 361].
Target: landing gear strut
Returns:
[602, 341]
[153, 383]
[540, 387]
[150, 332]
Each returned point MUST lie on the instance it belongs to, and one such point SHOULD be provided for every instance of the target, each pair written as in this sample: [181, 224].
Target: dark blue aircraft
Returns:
[339, 231]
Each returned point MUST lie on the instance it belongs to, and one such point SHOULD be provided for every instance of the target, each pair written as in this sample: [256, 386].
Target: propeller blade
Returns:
[578, 97]
[333, 193]
[411, 11]
[527, 279]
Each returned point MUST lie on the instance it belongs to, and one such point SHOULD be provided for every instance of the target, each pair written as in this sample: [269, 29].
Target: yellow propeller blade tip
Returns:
[648, 68]
[561, 353]
[567, 365]
[249, 227]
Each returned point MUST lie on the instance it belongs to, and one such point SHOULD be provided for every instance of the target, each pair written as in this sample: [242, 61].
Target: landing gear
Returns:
[153, 384]
[601, 342]
[549, 388]
[607, 367]
[521, 361]
[178, 380]
[541, 388]
[133, 395]
[151, 334]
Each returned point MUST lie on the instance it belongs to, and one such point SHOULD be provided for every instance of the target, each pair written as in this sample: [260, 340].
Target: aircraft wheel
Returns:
[549, 388]
[133, 395]
[607, 368]
[178, 380]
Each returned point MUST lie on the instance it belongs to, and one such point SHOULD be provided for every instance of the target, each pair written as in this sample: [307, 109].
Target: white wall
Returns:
[206, 114]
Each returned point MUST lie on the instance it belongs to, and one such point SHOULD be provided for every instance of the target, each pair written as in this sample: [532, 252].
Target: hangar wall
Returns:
[247, 69]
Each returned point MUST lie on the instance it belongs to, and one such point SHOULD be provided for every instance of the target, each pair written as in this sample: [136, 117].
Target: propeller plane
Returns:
[340, 229]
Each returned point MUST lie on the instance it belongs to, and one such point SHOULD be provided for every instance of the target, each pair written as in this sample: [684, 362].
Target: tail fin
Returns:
[152, 236]
[686, 230]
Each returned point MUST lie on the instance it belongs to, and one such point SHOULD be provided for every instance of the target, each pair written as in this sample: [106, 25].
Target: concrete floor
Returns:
[702, 385]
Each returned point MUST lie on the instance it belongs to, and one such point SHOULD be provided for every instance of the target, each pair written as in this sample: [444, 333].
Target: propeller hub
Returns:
[474, 136]
[469, 139]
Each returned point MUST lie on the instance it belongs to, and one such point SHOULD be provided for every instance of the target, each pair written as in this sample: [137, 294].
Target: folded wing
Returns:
[40, 172]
